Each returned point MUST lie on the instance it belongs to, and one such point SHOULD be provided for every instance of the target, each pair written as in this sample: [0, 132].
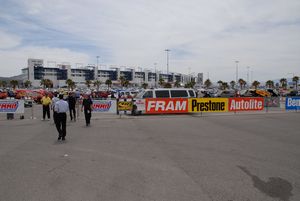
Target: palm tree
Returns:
[3, 83]
[242, 83]
[126, 83]
[220, 82]
[122, 80]
[97, 84]
[177, 84]
[269, 84]
[69, 82]
[161, 82]
[295, 80]
[108, 82]
[168, 85]
[255, 84]
[27, 83]
[14, 83]
[88, 83]
[43, 83]
[225, 85]
[145, 85]
[283, 82]
[207, 83]
[232, 84]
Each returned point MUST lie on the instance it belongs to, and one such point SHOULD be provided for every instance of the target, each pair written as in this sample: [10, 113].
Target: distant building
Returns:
[36, 71]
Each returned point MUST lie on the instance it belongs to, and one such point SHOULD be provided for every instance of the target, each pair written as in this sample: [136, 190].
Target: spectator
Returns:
[87, 106]
[72, 104]
[46, 101]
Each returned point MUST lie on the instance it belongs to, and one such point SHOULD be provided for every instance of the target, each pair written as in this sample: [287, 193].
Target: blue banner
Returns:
[292, 103]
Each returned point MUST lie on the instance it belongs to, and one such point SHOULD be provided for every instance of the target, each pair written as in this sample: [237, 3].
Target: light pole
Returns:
[248, 75]
[167, 50]
[97, 60]
[237, 72]
[155, 74]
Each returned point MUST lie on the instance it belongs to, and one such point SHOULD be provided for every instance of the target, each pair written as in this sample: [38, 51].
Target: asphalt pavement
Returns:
[243, 157]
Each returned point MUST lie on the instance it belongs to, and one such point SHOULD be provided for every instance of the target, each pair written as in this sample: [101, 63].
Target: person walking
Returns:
[72, 104]
[46, 101]
[61, 108]
[54, 100]
[87, 106]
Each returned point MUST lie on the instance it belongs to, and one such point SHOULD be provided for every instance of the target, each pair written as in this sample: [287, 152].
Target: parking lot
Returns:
[237, 157]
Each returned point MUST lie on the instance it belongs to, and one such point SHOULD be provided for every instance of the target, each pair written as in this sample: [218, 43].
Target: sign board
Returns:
[246, 104]
[140, 104]
[11, 106]
[166, 105]
[208, 104]
[125, 105]
[292, 103]
[272, 102]
[105, 106]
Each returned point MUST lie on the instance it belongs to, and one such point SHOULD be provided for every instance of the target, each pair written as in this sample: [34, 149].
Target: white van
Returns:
[139, 101]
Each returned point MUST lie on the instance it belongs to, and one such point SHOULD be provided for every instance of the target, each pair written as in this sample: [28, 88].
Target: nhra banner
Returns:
[105, 106]
[166, 105]
[246, 104]
[208, 104]
[292, 103]
[11, 106]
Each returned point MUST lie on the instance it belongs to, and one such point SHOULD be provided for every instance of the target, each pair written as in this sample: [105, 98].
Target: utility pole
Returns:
[248, 76]
[167, 50]
[237, 72]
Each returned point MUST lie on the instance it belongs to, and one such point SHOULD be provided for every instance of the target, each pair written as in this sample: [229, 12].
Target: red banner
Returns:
[166, 105]
[246, 104]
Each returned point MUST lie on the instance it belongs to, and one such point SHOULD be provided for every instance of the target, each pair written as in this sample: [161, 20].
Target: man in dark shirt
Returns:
[72, 104]
[87, 106]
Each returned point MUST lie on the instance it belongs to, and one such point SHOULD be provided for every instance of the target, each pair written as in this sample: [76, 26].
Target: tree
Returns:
[97, 84]
[145, 85]
[3, 83]
[242, 83]
[255, 84]
[70, 83]
[27, 83]
[43, 83]
[161, 82]
[225, 85]
[122, 80]
[168, 85]
[269, 84]
[283, 82]
[207, 83]
[108, 82]
[14, 83]
[88, 83]
[220, 83]
[232, 84]
[177, 84]
[295, 80]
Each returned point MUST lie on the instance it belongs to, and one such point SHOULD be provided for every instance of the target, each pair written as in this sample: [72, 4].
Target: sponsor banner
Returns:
[11, 106]
[272, 102]
[246, 104]
[292, 103]
[125, 105]
[105, 106]
[140, 104]
[208, 104]
[166, 105]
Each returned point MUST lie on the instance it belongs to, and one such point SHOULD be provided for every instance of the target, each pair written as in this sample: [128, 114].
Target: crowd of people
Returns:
[60, 107]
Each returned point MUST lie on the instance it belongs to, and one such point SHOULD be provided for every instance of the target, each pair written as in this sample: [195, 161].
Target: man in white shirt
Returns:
[61, 108]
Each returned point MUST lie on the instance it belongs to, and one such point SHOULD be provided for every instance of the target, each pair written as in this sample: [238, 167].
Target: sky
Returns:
[203, 36]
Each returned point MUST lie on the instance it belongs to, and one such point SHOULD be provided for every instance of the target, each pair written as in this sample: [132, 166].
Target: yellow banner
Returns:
[208, 105]
[124, 106]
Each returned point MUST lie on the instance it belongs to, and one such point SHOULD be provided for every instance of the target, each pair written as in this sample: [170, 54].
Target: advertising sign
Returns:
[11, 106]
[125, 105]
[272, 102]
[140, 104]
[246, 104]
[105, 106]
[208, 105]
[292, 103]
[166, 105]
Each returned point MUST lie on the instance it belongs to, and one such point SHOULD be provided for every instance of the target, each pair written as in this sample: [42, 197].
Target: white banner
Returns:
[105, 106]
[11, 106]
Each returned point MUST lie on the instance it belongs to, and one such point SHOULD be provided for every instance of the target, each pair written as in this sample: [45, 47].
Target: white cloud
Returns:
[261, 34]
[8, 40]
